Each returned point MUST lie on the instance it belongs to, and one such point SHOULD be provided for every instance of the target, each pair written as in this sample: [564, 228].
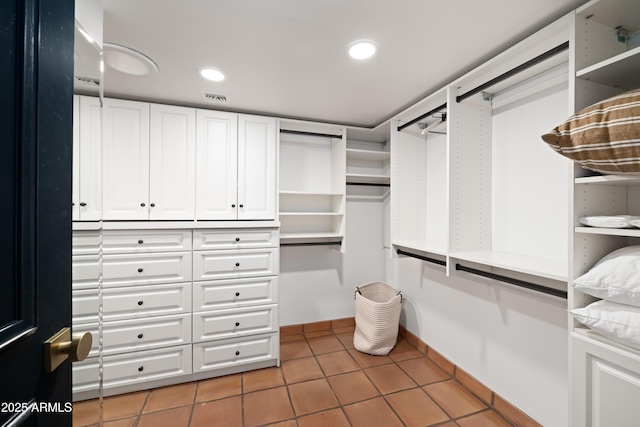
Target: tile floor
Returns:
[322, 381]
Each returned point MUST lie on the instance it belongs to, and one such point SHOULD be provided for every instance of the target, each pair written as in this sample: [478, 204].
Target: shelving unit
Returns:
[419, 168]
[312, 187]
[367, 166]
[604, 66]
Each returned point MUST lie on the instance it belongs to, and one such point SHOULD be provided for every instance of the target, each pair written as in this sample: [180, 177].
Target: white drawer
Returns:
[85, 271]
[149, 365]
[220, 324]
[134, 241]
[231, 293]
[144, 301]
[84, 375]
[84, 306]
[237, 351]
[211, 265]
[235, 239]
[86, 242]
[141, 334]
[89, 327]
[146, 269]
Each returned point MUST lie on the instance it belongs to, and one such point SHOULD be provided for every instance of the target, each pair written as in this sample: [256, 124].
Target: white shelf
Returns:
[618, 71]
[610, 180]
[309, 193]
[370, 155]
[626, 232]
[551, 269]
[311, 214]
[422, 247]
[368, 178]
[310, 237]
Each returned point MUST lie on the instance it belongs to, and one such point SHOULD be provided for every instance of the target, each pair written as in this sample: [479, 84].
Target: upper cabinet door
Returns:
[216, 165]
[75, 194]
[257, 167]
[126, 160]
[90, 158]
[172, 155]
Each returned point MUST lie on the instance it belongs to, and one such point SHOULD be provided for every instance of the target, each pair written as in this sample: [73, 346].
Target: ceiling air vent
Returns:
[216, 98]
[87, 82]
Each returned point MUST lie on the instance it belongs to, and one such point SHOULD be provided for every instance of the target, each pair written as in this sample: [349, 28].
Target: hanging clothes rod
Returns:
[417, 119]
[423, 258]
[370, 184]
[538, 59]
[313, 244]
[516, 282]
[299, 132]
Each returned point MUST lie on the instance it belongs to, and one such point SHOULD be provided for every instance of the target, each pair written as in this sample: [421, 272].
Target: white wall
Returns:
[317, 283]
[513, 341]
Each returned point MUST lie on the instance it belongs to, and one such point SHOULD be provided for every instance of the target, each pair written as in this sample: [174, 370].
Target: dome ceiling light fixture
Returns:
[211, 74]
[361, 49]
[127, 60]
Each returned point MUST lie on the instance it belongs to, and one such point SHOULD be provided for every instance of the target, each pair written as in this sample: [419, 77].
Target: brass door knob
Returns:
[63, 345]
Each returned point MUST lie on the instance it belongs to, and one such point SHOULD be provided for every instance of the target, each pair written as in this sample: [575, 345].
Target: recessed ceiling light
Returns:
[362, 49]
[127, 60]
[212, 74]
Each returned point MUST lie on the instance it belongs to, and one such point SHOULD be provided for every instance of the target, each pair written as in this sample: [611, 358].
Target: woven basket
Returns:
[378, 308]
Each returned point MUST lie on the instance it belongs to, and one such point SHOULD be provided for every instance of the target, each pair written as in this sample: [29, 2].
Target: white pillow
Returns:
[620, 322]
[616, 277]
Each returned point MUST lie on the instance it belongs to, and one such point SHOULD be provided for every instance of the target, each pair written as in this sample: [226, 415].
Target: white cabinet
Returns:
[235, 299]
[604, 375]
[87, 159]
[312, 184]
[236, 166]
[172, 163]
[126, 160]
[149, 156]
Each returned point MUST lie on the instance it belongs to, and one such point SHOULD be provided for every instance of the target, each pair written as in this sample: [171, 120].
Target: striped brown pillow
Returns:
[604, 137]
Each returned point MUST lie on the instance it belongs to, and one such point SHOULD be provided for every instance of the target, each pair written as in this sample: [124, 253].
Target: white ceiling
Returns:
[287, 58]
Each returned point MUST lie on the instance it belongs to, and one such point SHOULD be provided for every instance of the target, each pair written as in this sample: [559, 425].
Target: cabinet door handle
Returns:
[237, 353]
[237, 264]
[83, 204]
[237, 323]
[140, 241]
[233, 206]
[140, 270]
[140, 302]
[153, 205]
[143, 205]
[237, 294]
[141, 368]
[140, 336]
[242, 206]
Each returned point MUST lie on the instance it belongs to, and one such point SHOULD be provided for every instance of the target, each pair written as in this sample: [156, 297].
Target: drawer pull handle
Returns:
[153, 205]
[140, 270]
[233, 206]
[140, 302]
[83, 204]
[237, 294]
[140, 336]
[237, 323]
[237, 264]
[143, 205]
[242, 206]
[237, 353]
[237, 239]
[140, 242]
[141, 368]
